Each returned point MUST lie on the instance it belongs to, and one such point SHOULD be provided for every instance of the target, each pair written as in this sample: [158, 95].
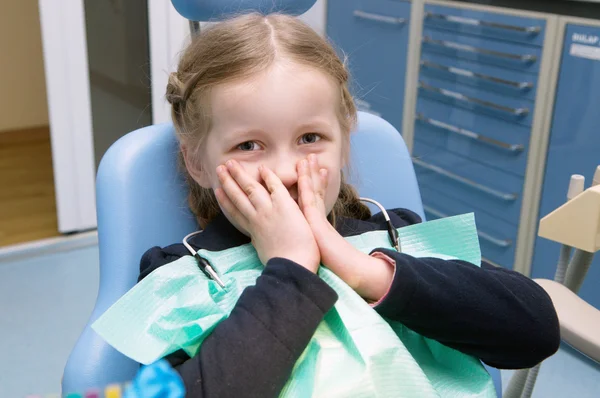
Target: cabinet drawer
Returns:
[497, 129]
[482, 187]
[374, 37]
[496, 237]
[480, 49]
[516, 110]
[490, 24]
[484, 76]
[473, 145]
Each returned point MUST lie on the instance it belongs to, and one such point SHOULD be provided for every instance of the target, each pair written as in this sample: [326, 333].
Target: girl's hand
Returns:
[271, 217]
[368, 276]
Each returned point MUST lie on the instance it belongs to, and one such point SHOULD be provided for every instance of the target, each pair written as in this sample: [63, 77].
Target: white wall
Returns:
[22, 80]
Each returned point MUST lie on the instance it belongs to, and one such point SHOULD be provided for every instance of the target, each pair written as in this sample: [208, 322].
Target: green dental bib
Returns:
[354, 351]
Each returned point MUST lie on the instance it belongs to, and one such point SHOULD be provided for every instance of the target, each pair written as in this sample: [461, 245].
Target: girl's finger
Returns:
[254, 191]
[236, 195]
[313, 168]
[324, 181]
[315, 174]
[273, 183]
[306, 193]
[228, 206]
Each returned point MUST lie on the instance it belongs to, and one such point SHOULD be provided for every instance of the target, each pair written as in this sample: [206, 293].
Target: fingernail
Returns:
[303, 163]
[229, 163]
[220, 169]
[312, 157]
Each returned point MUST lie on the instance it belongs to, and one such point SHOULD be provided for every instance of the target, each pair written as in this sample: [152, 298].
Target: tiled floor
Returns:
[47, 295]
[566, 374]
[44, 303]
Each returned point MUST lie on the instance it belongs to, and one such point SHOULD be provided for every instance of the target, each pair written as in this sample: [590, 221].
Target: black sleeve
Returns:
[253, 351]
[497, 315]
[156, 257]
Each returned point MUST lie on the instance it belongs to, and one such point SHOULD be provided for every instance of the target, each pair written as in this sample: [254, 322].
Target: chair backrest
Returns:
[141, 202]
[207, 10]
[381, 167]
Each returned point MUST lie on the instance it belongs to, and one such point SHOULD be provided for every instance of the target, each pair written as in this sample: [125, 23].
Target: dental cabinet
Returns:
[373, 35]
[498, 106]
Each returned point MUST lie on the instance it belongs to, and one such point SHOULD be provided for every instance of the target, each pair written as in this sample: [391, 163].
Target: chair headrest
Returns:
[206, 10]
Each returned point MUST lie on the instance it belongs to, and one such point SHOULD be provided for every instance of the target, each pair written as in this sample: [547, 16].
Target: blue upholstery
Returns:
[381, 167]
[206, 10]
[137, 178]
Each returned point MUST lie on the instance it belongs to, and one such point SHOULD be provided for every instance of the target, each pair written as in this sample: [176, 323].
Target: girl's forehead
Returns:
[285, 89]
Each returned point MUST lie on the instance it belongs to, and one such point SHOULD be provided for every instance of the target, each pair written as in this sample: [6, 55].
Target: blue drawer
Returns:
[473, 145]
[482, 187]
[490, 24]
[480, 49]
[516, 110]
[374, 36]
[496, 237]
[498, 129]
[484, 76]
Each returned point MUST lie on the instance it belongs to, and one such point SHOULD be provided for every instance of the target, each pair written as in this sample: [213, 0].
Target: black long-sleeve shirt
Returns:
[497, 315]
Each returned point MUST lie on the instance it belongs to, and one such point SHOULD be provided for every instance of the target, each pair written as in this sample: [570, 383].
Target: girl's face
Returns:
[276, 119]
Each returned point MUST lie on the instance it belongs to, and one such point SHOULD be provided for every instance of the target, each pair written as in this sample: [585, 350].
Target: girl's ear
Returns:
[195, 168]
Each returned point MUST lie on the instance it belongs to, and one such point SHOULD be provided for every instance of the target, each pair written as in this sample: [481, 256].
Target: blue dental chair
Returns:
[138, 176]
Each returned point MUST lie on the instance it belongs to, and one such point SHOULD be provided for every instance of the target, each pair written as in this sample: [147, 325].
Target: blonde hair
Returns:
[240, 48]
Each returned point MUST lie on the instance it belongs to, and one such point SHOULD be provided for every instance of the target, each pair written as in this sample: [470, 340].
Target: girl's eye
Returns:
[310, 138]
[248, 146]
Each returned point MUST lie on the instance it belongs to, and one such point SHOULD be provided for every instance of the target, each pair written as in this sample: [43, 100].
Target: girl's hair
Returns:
[240, 48]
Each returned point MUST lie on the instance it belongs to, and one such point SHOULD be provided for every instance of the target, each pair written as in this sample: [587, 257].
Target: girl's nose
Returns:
[285, 169]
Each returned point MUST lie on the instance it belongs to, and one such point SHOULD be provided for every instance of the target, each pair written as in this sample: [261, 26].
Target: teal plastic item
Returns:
[354, 352]
[158, 380]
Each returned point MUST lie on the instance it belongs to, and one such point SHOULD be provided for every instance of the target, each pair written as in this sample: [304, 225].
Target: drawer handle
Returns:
[379, 18]
[478, 22]
[477, 101]
[470, 134]
[495, 264]
[491, 239]
[464, 47]
[465, 181]
[471, 74]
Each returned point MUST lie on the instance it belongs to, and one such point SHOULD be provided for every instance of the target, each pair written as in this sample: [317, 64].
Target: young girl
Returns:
[263, 114]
